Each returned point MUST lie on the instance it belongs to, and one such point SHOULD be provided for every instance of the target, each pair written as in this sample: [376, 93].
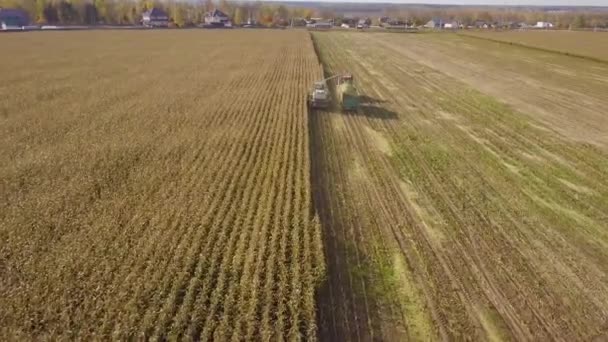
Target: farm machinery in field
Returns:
[319, 97]
[347, 94]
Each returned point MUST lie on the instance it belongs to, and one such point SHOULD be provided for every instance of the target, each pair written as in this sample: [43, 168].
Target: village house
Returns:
[396, 24]
[507, 25]
[544, 24]
[435, 23]
[319, 23]
[481, 24]
[323, 25]
[155, 17]
[217, 18]
[363, 23]
[383, 20]
[451, 25]
[13, 18]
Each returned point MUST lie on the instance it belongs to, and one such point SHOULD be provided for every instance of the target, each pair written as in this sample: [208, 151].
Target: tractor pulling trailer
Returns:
[346, 93]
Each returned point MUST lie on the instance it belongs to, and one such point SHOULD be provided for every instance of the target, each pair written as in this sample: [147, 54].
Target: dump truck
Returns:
[348, 95]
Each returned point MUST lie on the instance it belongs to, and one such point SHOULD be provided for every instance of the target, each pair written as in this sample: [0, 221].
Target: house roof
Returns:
[14, 17]
[156, 12]
[11, 12]
[217, 13]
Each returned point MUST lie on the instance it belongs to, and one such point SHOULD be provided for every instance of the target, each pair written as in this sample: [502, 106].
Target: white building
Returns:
[217, 17]
[155, 17]
[544, 24]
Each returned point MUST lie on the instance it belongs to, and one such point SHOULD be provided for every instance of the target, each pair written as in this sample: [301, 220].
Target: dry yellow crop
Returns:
[156, 184]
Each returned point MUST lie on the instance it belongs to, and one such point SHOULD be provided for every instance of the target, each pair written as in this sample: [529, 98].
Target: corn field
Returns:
[156, 185]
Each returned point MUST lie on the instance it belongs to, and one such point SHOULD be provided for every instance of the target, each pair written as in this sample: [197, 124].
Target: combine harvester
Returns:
[319, 97]
[347, 94]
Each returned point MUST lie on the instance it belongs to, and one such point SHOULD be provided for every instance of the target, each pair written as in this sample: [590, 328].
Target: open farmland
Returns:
[467, 198]
[156, 184]
[172, 185]
[580, 43]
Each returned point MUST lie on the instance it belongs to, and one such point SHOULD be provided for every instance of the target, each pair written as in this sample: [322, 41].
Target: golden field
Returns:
[155, 185]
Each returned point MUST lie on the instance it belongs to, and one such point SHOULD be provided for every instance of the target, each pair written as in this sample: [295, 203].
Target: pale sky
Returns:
[488, 2]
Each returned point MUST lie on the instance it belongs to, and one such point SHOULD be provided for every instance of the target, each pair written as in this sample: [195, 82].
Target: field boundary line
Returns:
[538, 48]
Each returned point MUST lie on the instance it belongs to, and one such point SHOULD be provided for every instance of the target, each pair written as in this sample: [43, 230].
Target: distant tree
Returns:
[282, 12]
[90, 14]
[339, 20]
[265, 15]
[50, 14]
[12, 3]
[239, 15]
[226, 7]
[420, 19]
[307, 14]
[209, 6]
[192, 11]
[327, 14]
[195, 12]
[465, 18]
[125, 13]
[177, 15]
[78, 6]
[485, 16]
[66, 14]
[579, 22]
[145, 5]
[102, 9]
[595, 22]
[40, 11]
[29, 6]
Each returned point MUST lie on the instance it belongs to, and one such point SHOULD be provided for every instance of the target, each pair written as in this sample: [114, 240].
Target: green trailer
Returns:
[347, 93]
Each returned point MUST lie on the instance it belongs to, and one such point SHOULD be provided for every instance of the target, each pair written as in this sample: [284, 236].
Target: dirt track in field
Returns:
[450, 215]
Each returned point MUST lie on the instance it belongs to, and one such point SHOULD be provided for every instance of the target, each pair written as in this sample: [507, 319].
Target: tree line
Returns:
[185, 13]
[129, 12]
[576, 18]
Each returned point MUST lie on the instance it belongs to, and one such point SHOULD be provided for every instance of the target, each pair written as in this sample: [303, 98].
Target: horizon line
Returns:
[400, 2]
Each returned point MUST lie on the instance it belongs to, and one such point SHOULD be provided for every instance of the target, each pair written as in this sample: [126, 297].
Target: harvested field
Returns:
[156, 185]
[579, 43]
[467, 198]
[559, 92]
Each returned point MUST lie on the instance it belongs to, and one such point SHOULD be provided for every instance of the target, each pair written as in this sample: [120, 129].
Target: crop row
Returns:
[184, 213]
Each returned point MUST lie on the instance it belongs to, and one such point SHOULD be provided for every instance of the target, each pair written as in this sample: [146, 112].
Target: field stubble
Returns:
[491, 222]
[593, 45]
